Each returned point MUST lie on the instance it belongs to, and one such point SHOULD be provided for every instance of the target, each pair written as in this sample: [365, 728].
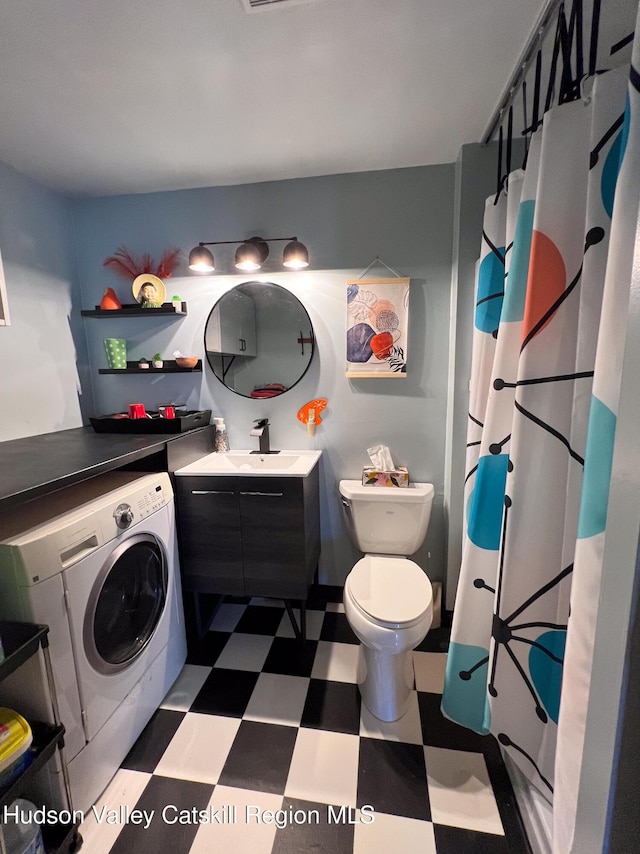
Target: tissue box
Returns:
[372, 476]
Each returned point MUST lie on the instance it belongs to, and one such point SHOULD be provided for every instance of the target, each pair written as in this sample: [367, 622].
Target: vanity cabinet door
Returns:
[232, 330]
[272, 518]
[247, 330]
[208, 517]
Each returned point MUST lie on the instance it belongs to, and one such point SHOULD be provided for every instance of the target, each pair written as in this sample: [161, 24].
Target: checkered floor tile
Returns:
[263, 746]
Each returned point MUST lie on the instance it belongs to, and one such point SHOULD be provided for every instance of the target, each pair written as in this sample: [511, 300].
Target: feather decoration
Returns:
[124, 264]
[168, 263]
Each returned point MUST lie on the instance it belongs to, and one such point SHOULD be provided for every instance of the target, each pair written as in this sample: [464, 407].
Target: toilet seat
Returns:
[392, 592]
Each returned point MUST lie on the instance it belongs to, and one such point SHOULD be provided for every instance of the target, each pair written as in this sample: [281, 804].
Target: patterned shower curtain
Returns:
[551, 261]
[597, 470]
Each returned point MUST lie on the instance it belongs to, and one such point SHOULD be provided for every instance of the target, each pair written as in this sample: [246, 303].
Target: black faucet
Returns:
[262, 431]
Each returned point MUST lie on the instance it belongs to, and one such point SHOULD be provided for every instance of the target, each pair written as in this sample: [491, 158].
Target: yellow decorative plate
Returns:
[148, 290]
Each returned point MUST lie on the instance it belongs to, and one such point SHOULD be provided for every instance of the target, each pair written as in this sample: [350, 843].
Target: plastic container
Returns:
[22, 837]
[222, 439]
[15, 746]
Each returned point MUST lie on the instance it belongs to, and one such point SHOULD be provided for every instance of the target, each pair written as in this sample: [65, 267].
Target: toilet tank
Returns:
[385, 520]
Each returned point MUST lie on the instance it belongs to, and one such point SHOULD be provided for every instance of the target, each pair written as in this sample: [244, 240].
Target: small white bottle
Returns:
[23, 837]
[222, 439]
[311, 423]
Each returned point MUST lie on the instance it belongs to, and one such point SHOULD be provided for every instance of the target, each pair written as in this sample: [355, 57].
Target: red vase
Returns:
[109, 300]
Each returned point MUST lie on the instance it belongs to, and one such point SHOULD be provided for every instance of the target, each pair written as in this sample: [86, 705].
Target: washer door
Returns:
[126, 604]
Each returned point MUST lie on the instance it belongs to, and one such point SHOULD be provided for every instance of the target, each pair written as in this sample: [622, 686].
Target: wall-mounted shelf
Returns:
[169, 367]
[167, 309]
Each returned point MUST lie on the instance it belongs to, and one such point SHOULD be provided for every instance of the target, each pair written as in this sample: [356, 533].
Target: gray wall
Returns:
[39, 382]
[403, 216]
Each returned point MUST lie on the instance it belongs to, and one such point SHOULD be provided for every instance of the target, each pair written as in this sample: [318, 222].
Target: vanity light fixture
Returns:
[250, 255]
[295, 255]
[201, 260]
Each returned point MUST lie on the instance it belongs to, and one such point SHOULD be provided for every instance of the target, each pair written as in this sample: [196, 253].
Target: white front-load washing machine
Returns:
[98, 563]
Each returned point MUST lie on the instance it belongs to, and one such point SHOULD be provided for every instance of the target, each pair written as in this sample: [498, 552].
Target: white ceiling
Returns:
[129, 96]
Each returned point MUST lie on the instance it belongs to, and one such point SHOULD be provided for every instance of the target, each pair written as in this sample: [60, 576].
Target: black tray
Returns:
[187, 420]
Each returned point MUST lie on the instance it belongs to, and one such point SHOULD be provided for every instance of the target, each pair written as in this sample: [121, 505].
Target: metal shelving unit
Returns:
[21, 641]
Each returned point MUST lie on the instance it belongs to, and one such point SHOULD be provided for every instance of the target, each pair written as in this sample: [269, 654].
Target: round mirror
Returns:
[259, 340]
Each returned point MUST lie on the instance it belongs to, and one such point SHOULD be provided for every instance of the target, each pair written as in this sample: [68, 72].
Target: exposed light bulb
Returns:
[201, 260]
[296, 264]
[295, 256]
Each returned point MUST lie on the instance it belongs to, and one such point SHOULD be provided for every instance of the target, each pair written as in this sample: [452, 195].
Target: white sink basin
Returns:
[263, 461]
[283, 464]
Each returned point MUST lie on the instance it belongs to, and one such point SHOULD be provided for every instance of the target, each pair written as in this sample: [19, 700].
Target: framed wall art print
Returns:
[377, 320]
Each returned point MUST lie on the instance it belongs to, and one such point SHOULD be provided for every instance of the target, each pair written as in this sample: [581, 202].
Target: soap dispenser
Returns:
[222, 439]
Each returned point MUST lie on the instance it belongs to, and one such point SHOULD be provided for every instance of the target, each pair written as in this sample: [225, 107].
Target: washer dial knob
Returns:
[123, 514]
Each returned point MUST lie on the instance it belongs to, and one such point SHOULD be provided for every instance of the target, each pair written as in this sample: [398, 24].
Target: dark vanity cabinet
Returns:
[248, 535]
[208, 519]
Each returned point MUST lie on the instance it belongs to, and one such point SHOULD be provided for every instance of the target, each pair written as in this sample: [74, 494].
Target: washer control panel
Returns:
[149, 501]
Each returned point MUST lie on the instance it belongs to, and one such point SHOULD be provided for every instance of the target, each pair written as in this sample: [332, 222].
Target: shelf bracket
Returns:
[225, 370]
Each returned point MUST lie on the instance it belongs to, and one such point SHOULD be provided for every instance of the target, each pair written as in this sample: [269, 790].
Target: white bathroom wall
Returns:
[42, 351]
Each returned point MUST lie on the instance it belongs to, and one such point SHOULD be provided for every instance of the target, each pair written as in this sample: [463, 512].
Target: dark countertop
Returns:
[37, 465]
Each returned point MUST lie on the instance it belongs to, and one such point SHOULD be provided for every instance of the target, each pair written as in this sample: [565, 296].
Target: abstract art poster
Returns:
[377, 319]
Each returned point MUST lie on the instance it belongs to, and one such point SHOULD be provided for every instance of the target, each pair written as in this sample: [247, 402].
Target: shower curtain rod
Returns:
[545, 19]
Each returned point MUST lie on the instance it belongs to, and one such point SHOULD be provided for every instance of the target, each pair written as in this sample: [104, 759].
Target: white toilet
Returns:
[388, 600]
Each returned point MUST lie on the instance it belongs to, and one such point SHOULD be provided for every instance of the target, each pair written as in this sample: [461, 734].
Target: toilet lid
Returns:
[390, 590]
